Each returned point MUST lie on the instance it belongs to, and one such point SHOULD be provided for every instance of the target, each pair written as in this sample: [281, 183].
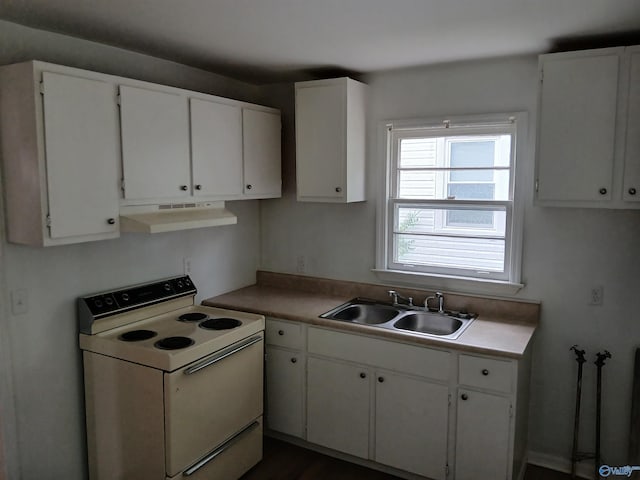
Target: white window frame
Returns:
[507, 283]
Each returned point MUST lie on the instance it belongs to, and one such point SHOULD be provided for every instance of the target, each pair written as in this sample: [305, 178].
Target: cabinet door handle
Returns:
[249, 187]
[280, 332]
[464, 396]
[485, 372]
[603, 191]
[380, 379]
[338, 189]
[111, 221]
[363, 375]
[632, 191]
[184, 188]
[294, 360]
[198, 187]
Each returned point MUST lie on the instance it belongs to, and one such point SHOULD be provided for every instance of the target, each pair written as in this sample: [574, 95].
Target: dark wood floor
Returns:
[283, 461]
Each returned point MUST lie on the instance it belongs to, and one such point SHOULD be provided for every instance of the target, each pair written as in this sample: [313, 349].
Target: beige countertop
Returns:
[489, 334]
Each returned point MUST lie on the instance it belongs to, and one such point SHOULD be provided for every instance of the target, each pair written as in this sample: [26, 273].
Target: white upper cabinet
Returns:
[79, 148]
[587, 110]
[262, 158]
[330, 140]
[155, 144]
[216, 148]
[178, 148]
[631, 185]
[61, 150]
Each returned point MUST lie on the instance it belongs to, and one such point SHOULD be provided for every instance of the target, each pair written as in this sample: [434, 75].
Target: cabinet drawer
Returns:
[284, 334]
[486, 373]
[400, 357]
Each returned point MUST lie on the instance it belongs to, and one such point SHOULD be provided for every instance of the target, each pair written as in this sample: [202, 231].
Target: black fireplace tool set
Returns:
[575, 455]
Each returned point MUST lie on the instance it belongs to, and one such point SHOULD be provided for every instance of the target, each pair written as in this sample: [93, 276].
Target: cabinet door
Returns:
[338, 406]
[82, 154]
[482, 436]
[262, 157]
[320, 141]
[285, 384]
[155, 144]
[216, 148]
[577, 127]
[411, 424]
[631, 186]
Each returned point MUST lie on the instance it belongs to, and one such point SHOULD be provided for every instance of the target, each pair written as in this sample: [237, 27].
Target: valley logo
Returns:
[625, 471]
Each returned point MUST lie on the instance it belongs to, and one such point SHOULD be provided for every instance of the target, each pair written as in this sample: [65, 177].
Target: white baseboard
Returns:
[584, 469]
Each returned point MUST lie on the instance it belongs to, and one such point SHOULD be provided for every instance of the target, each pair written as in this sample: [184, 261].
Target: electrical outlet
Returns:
[300, 264]
[186, 265]
[597, 294]
[19, 301]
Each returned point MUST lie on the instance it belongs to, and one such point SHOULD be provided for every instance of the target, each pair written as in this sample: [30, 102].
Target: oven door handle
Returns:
[222, 355]
[201, 463]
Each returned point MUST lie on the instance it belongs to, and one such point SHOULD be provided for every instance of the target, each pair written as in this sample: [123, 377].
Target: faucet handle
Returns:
[393, 294]
[426, 301]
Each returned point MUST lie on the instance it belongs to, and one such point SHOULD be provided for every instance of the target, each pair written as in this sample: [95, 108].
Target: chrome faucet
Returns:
[397, 298]
[439, 297]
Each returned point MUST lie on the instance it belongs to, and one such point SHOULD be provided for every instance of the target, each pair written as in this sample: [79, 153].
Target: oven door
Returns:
[211, 400]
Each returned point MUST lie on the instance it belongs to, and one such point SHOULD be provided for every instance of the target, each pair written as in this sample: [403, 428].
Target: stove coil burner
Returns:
[220, 324]
[174, 343]
[137, 335]
[193, 317]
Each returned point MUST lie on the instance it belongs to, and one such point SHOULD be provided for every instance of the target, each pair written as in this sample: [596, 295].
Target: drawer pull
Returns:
[230, 442]
[485, 372]
[603, 191]
[363, 375]
[464, 396]
[222, 355]
[380, 379]
[632, 191]
[280, 332]
[294, 360]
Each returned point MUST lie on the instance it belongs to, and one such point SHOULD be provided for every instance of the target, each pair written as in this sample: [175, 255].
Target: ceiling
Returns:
[276, 40]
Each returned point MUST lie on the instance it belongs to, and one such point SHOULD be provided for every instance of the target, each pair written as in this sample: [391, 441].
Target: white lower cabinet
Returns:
[285, 370]
[411, 424]
[491, 417]
[338, 406]
[285, 377]
[482, 435]
[438, 414]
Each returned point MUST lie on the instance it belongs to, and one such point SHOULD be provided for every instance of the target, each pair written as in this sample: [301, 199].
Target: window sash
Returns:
[395, 136]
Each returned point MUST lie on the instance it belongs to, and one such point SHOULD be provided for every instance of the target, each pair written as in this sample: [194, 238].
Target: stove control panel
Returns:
[106, 304]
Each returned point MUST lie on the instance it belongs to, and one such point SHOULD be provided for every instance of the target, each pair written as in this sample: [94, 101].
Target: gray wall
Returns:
[566, 251]
[41, 398]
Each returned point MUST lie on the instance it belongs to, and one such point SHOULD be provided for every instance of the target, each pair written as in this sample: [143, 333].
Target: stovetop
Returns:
[158, 325]
[162, 332]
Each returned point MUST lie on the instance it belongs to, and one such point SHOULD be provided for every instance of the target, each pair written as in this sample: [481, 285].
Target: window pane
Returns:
[470, 218]
[471, 191]
[471, 175]
[417, 152]
[450, 252]
[420, 184]
[459, 221]
[472, 154]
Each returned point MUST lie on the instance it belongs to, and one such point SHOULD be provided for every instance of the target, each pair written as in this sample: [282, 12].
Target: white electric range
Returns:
[172, 389]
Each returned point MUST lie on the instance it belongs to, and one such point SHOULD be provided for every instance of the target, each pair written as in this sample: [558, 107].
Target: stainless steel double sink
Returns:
[448, 325]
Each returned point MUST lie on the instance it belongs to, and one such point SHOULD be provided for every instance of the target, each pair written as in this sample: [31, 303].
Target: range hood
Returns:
[174, 217]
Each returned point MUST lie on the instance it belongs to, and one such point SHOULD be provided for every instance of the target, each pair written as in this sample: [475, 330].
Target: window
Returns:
[449, 205]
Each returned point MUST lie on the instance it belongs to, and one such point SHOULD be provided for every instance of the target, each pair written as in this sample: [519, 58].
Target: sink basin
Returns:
[429, 323]
[401, 318]
[369, 314]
